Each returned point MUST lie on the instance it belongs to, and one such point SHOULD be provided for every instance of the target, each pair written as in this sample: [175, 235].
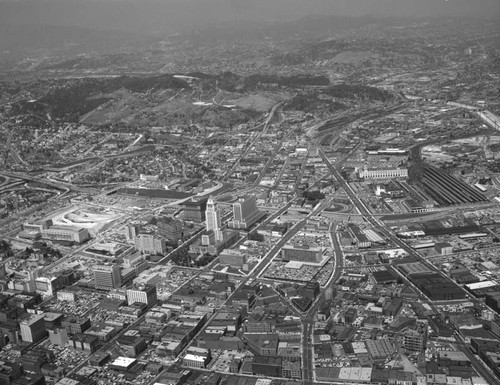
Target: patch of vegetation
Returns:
[309, 102]
[183, 258]
[22, 107]
[347, 91]
[9, 88]
[313, 195]
[495, 147]
[232, 82]
[6, 249]
[286, 81]
[223, 117]
[84, 95]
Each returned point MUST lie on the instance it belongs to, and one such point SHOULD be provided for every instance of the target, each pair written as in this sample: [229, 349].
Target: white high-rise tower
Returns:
[212, 215]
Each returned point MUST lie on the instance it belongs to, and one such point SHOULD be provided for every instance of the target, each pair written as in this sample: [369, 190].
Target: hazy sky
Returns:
[176, 15]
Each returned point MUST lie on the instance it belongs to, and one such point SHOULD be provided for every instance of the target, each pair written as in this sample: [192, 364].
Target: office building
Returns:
[194, 210]
[136, 262]
[132, 344]
[234, 365]
[150, 243]
[245, 213]
[292, 369]
[37, 226]
[131, 231]
[232, 257]
[267, 366]
[66, 233]
[444, 248]
[197, 357]
[84, 342]
[144, 294]
[75, 325]
[415, 340]
[107, 276]
[310, 290]
[10, 372]
[33, 328]
[58, 337]
[194, 361]
[123, 364]
[451, 358]
[3, 340]
[170, 229]
[302, 254]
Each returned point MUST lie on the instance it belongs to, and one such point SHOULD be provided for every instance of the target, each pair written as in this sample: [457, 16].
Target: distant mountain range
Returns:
[171, 16]
[18, 38]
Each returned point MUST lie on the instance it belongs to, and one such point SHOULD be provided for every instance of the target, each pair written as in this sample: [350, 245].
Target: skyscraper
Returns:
[212, 215]
[213, 218]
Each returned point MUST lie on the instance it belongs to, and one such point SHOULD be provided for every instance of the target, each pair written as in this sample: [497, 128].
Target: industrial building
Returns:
[360, 238]
[437, 288]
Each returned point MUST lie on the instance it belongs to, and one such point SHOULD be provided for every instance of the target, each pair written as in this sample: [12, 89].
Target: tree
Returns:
[6, 248]
[256, 237]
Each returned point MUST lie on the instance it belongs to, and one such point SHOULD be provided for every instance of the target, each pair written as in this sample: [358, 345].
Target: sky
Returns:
[150, 16]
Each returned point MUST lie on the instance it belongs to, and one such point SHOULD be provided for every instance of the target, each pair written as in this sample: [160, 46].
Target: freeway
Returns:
[478, 365]
[490, 118]
[487, 116]
[376, 223]
[308, 320]
[57, 184]
[307, 354]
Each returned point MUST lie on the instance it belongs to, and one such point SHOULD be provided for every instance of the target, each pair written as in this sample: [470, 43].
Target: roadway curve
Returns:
[478, 365]
[308, 319]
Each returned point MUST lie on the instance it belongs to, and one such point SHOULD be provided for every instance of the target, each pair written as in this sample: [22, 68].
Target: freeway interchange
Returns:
[478, 363]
